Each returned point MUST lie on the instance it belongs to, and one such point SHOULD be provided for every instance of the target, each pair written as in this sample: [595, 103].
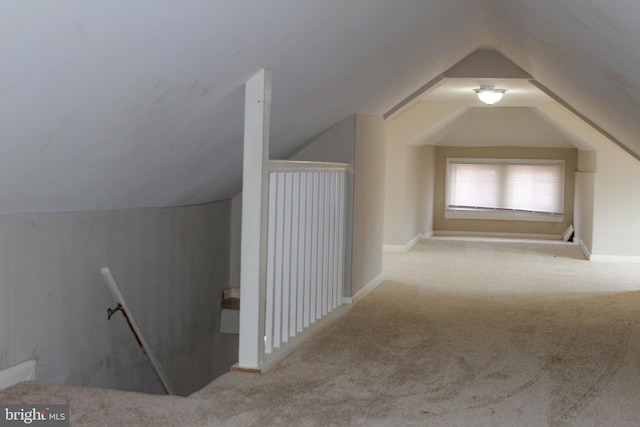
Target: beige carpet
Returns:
[460, 334]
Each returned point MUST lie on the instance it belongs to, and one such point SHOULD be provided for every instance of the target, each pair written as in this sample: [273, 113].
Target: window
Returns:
[526, 190]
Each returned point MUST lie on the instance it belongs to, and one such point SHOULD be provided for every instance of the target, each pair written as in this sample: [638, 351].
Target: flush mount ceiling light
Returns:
[489, 95]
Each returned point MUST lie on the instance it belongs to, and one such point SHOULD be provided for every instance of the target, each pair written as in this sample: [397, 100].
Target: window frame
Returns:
[502, 213]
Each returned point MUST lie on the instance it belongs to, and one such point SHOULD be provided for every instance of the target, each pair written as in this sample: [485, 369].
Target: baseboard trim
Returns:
[25, 371]
[490, 235]
[413, 241]
[606, 258]
[427, 235]
[403, 248]
[236, 368]
[585, 250]
[367, 288]
[615, 258]
[394, 248]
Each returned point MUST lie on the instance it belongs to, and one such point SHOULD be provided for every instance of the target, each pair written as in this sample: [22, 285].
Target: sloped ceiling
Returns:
[586, 51]
[124, 104]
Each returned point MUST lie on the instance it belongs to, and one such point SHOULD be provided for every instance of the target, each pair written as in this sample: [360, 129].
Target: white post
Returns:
[255, 193]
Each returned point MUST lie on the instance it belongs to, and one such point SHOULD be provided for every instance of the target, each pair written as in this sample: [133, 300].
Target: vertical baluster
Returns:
[342, 190]
[293, 280]
[308, 249]
[286, 256]
[318, 289]
[277, 324]
[302, 226]
[302, 212]
[325, 242]
[334, 240]
[302, 266]
[321, 235]
[337, 297]
[330, 239]
[314, 248]
[271, 242]
[305, 251]
[320, 243]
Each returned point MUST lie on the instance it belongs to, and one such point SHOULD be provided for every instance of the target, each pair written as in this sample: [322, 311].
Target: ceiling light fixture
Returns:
[489, 95]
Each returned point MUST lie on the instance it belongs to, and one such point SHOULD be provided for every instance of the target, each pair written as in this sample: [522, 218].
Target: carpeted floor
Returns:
[460, 334]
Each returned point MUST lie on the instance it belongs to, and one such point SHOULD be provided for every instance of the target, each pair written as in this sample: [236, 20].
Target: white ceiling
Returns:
[114, 104]
[586, 51]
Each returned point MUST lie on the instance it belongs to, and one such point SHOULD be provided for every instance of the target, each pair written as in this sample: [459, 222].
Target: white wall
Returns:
[412, 222]
[427, 173]
[616, 206]
[616, 224]
[171, 265]
[395, 192]
[408, 189]
[583, 210]
[583, 204]
[410, 167]
[368, 216]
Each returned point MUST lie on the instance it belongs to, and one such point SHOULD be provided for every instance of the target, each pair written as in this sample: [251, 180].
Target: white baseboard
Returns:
[489, 235]
[615, 258]
[414, 241]
[25, 371]
[367, 288]
[403, 248]
[585, 250]
[394, 248]
[427, 235]
[606, 258]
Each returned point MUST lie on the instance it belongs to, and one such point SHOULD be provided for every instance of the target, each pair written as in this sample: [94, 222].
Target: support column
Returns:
[255, 194]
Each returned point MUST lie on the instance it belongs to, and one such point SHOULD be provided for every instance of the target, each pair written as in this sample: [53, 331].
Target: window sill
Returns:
[501, 215]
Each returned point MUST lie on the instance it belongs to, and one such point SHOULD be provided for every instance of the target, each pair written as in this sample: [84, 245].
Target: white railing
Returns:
[293, 241]
[305, 247]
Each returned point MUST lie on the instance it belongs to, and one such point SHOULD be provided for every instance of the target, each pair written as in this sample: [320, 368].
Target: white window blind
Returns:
[511, 185]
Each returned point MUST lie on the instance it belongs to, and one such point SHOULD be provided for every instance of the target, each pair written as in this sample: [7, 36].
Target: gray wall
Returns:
[171, 265]
[337, 144]
[235, 240]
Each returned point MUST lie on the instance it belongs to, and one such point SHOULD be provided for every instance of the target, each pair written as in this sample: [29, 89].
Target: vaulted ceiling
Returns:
[140, 103]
